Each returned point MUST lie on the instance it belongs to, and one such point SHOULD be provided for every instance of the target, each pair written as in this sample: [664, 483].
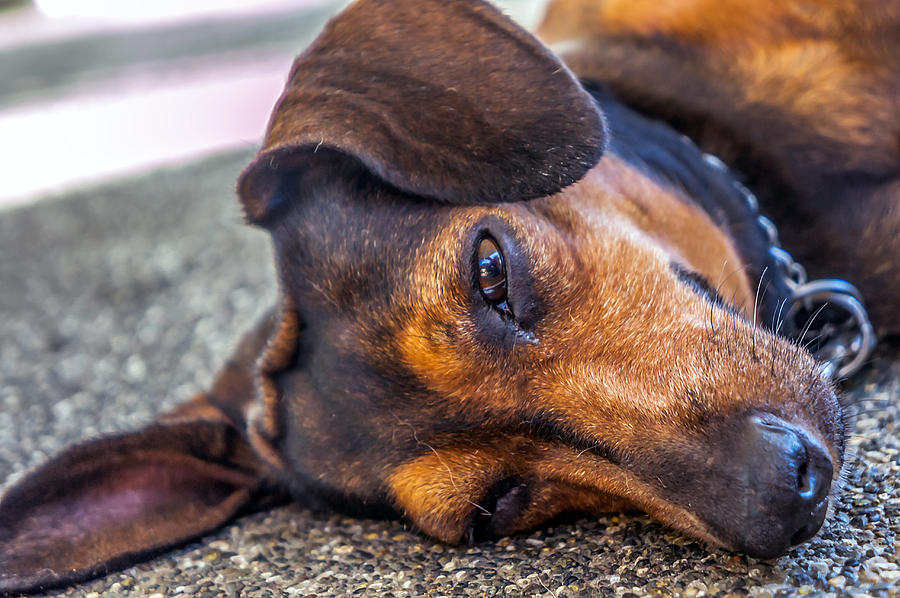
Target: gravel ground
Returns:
[117, 302]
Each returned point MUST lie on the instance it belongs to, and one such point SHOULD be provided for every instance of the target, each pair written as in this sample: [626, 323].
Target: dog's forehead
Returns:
[359, 228]
[351, 221]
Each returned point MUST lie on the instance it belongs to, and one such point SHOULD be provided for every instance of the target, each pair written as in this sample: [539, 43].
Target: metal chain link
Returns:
[845, 339]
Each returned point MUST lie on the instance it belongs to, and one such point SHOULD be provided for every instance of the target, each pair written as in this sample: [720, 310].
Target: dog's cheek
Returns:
[450, 358]
[479, 491]
[438, 490]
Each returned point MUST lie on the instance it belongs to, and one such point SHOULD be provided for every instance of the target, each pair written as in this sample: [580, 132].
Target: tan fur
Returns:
[602, 364]
[787, 54]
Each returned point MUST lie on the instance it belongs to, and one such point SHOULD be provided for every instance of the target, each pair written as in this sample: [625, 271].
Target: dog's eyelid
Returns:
[510, 319]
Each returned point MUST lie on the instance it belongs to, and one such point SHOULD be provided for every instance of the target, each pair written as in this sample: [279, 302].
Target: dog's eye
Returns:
[491, 271]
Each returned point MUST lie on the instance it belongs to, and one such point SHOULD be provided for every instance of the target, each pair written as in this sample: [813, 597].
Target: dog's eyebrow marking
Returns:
[698, 283]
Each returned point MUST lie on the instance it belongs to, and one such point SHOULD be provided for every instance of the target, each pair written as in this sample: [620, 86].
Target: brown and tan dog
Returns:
[505, 294]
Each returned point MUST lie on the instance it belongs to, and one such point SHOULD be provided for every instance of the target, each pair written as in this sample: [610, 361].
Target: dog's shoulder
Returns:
[800, 97]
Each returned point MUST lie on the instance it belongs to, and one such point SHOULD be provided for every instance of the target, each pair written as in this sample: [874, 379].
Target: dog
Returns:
[510, 287]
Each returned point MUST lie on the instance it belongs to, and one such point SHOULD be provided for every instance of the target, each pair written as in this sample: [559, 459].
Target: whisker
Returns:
[777, 314]
[809, 322]
[756, 300]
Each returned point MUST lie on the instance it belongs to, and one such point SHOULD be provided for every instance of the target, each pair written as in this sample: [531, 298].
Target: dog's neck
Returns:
[844, 337]
[673, 160]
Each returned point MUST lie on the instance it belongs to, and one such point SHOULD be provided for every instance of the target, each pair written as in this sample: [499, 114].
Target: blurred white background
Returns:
[96, 89]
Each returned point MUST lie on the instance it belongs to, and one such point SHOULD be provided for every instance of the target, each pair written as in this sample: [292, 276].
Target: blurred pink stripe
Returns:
[51, 147]
[29, 24]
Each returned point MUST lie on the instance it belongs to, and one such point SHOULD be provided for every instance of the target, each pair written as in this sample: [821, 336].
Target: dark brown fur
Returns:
[802, 97]
[384, 383]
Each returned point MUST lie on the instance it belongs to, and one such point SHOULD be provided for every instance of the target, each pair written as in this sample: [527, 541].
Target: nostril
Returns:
[786, 452]
[805, 485]
[814, 473]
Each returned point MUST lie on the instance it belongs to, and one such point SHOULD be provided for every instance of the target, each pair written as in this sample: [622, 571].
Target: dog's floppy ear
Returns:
[111, 502]
[445, 99]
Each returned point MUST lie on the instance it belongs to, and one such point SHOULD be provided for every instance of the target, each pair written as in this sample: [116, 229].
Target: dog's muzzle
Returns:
[772, 481]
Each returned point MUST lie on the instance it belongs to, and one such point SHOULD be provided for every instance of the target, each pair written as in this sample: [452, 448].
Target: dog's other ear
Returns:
[111, 502]
[444, 99]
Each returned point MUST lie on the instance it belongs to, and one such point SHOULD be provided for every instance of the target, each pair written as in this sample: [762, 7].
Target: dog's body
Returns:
[803, 98]
[502, 293]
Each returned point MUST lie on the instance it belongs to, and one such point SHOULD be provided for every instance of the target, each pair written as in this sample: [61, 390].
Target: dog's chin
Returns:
[760, 541]
[775, 540]
[501, 517]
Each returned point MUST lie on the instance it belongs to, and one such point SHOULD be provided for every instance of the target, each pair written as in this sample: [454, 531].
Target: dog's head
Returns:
[485, 322]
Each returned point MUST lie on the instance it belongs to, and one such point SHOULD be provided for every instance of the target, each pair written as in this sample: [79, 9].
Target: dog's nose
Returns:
[788, 476]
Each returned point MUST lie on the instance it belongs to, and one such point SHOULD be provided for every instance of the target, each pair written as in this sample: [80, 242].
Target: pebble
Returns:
[891, 575]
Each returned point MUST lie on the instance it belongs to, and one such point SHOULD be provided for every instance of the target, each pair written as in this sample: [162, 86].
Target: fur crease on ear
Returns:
[444, 99]
[112, 502]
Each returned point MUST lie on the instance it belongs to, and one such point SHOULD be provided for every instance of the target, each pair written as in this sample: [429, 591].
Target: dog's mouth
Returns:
[757, 484]
[763, 488]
